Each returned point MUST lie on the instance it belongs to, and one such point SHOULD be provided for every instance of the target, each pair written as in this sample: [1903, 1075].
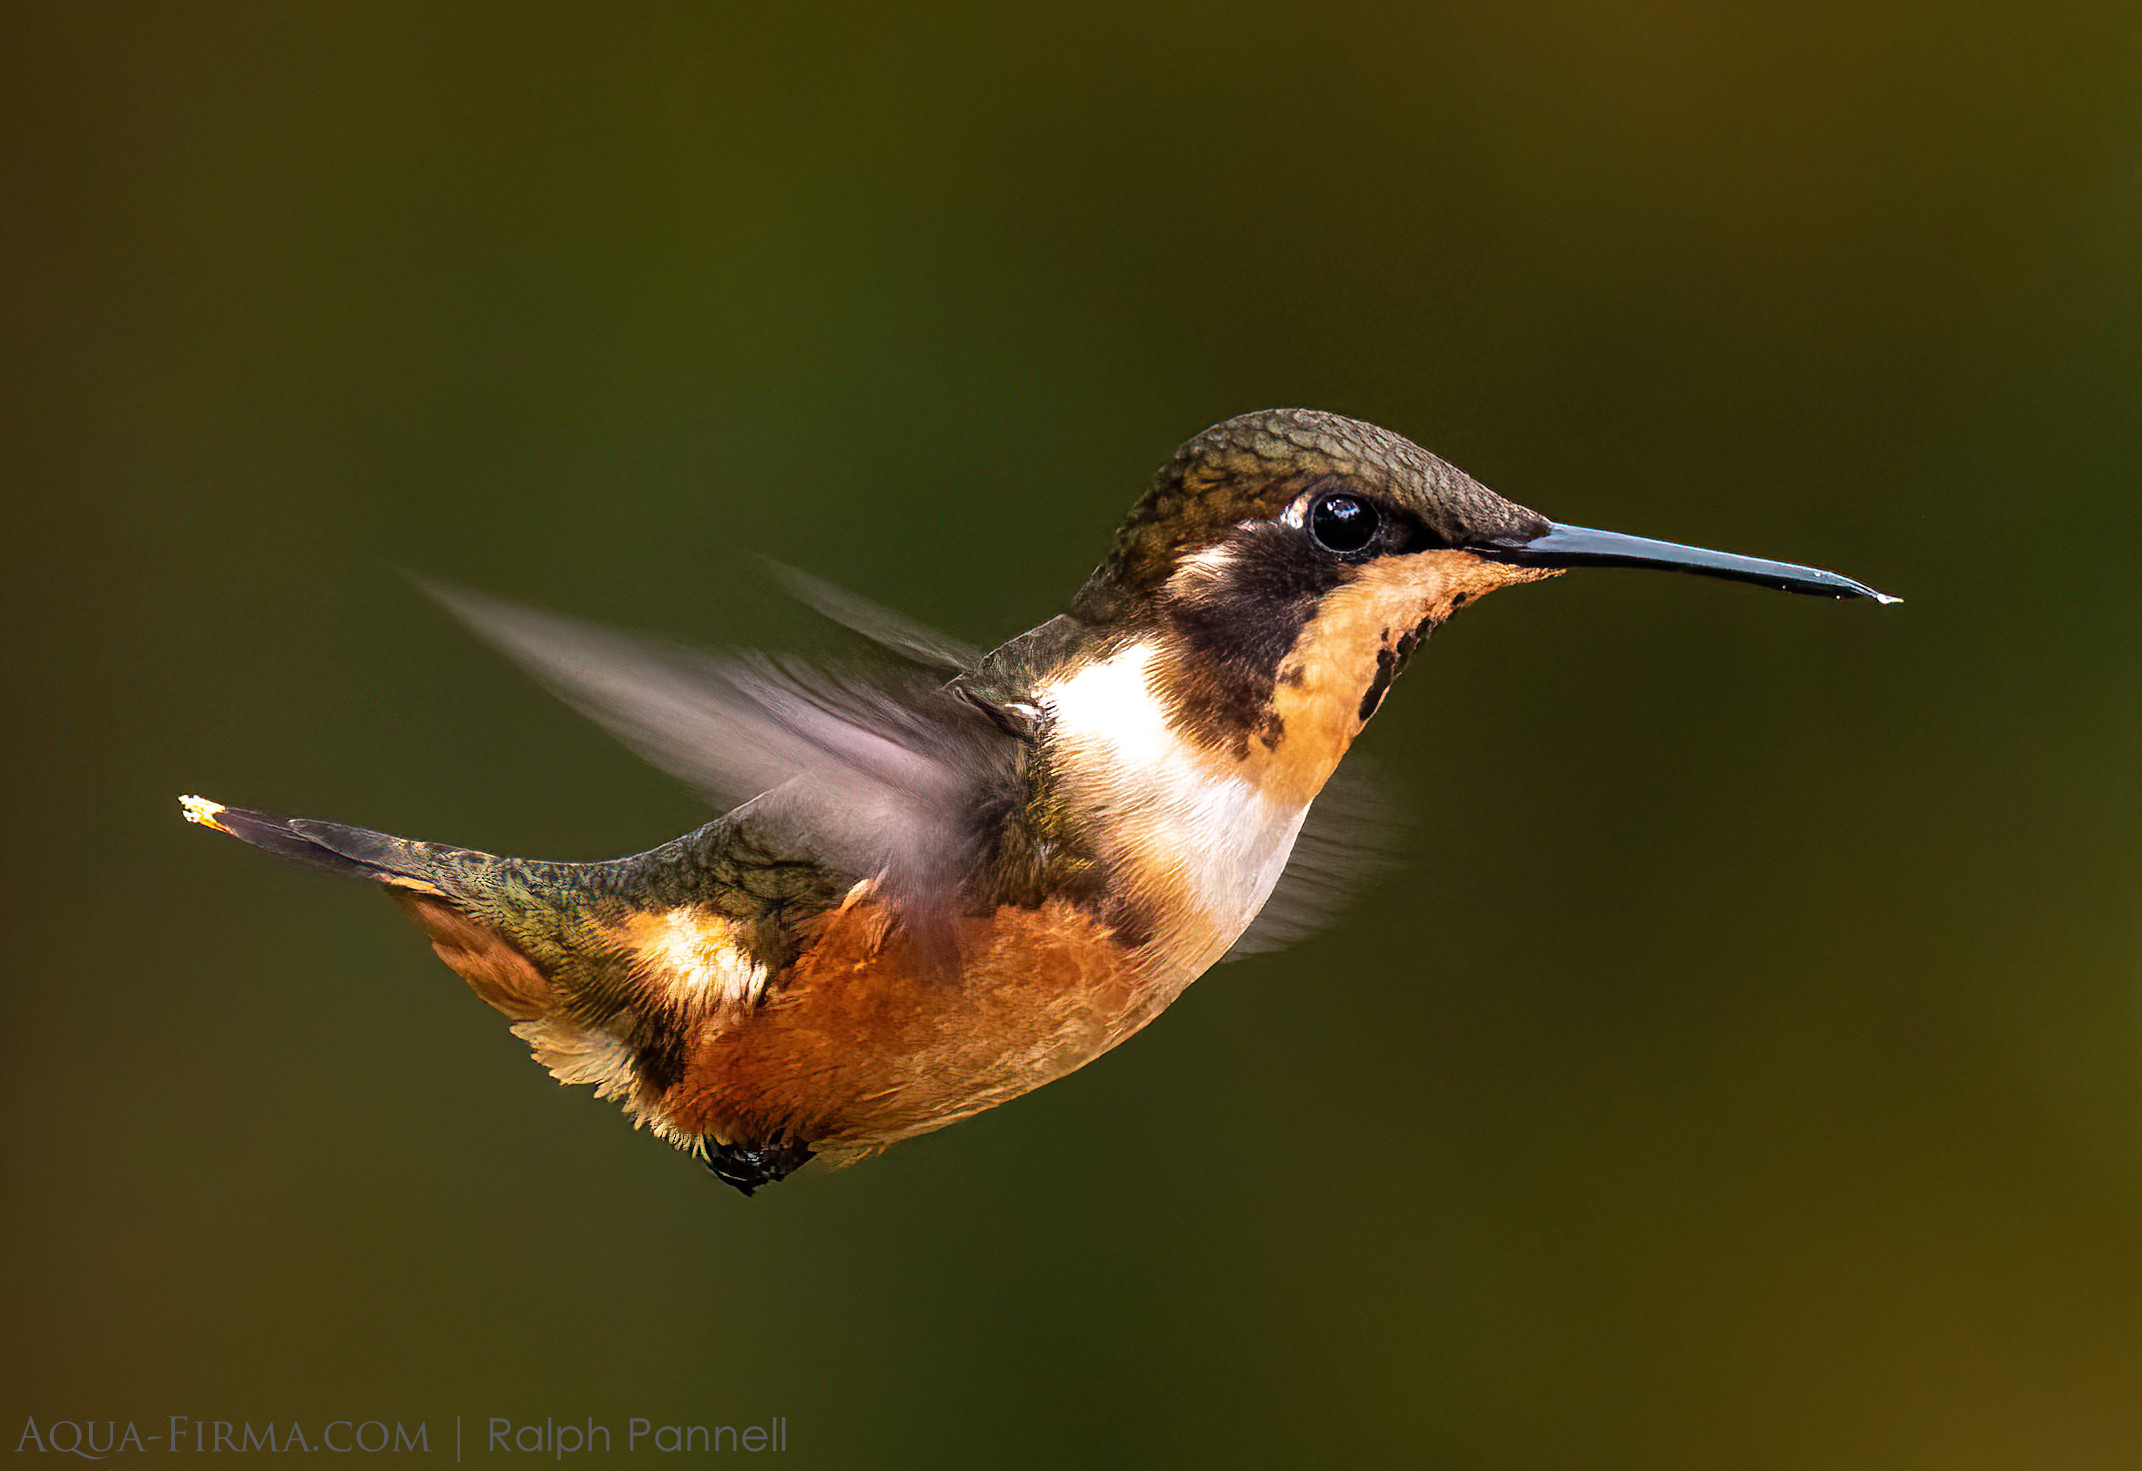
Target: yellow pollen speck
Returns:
[203, 811]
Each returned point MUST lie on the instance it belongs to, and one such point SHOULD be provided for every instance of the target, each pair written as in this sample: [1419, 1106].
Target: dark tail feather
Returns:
[453, 894]
[353, 851]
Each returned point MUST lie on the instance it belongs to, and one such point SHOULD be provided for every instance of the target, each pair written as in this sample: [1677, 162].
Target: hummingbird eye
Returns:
[1344, 523]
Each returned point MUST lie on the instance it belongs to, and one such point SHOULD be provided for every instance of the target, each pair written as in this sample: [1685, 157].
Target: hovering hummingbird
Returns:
[964, 875]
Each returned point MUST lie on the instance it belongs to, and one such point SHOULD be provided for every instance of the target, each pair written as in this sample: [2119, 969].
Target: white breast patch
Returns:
[1224, 837]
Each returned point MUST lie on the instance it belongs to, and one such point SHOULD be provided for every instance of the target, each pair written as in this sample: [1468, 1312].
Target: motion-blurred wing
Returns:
[890, 777]
[896, 633]
[1353, 832]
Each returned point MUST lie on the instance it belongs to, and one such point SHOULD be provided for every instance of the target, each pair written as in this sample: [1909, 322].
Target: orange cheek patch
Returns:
[1325, 686]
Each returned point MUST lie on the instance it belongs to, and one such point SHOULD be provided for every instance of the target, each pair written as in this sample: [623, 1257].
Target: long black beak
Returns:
[1580, 546]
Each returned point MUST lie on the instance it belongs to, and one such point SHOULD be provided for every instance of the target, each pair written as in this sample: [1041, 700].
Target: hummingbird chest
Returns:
[1194, 839]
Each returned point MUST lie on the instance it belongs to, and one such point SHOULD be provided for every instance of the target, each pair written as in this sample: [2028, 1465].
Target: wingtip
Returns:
[204, 812]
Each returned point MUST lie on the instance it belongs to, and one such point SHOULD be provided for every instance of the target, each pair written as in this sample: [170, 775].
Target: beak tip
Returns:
[1861, 590]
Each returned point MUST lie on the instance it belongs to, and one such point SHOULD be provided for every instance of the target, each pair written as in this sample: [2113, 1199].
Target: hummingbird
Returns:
[945, 880]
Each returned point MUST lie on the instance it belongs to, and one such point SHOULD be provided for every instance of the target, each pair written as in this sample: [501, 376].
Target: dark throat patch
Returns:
[1230, 632]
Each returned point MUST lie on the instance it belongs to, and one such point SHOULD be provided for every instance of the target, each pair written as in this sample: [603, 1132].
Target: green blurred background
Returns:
[1745, 1071]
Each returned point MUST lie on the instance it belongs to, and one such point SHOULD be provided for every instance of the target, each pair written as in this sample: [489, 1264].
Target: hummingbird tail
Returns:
[478, 920]
[529, 940]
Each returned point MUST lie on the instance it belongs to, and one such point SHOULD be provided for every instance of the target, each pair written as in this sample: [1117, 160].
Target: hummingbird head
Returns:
[1285, 564]
[1327, 493]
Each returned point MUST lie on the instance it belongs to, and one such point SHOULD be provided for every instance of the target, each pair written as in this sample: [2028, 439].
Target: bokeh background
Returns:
[1745, 1070]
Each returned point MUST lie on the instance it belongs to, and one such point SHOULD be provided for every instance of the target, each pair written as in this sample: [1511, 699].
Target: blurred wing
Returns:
[916, 642]
[891, 777]
[1353, 832]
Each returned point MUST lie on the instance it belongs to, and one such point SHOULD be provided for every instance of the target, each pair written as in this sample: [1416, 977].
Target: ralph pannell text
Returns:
[98, 1439]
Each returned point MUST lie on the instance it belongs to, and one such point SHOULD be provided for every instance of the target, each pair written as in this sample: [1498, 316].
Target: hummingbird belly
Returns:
[864, 1041]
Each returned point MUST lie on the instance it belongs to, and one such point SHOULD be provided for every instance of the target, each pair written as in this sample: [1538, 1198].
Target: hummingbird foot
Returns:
[748, 1166]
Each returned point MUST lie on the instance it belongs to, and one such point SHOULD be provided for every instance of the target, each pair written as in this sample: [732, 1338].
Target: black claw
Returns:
[748, 1166]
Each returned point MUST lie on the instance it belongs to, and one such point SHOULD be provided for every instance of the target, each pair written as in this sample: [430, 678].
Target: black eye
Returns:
[1344, 523]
